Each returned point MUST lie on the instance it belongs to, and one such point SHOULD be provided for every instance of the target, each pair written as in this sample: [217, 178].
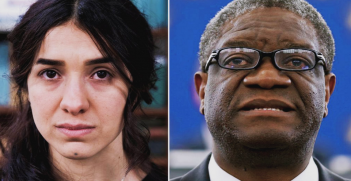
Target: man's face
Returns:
[265, 108]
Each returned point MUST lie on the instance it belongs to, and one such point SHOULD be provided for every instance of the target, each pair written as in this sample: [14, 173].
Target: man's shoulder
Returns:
[199, 173]
[177, 179]
[327, 175]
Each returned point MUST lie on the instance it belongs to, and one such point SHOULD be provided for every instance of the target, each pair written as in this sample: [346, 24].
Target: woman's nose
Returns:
[74, 99]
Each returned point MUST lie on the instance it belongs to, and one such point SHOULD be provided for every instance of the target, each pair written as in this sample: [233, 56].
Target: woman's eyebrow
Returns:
[98, 61]
[45, 61]
[50, 62]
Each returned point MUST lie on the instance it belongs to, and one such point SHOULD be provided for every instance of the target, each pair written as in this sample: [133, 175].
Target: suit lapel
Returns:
[325, 174]
[199, 173]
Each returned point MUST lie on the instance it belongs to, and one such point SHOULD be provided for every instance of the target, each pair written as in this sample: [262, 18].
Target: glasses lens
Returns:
[295, 59]
[238, 58]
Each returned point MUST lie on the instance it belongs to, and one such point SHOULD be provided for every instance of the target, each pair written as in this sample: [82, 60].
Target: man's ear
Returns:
[330, 81]
[200, 79]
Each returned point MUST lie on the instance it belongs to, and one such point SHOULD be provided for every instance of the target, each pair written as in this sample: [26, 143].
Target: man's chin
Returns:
[268, 140]
[266, 148]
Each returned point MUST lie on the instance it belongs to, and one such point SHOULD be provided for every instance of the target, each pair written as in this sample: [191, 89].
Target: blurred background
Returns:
[190, 141]
[154, 115]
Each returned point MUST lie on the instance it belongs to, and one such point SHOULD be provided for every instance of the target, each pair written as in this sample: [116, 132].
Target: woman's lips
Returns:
[78, 130]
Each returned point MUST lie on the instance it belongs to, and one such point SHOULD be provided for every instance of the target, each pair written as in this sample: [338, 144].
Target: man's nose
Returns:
[267, 76]
[74, 99]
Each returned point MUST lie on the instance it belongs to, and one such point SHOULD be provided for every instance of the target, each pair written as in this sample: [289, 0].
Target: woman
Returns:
[81, 67]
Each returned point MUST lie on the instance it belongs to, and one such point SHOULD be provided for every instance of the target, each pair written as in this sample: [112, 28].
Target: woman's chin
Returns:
[76, 151]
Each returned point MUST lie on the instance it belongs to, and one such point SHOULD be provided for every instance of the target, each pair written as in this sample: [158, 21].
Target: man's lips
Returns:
[267, 105]
[75, 130]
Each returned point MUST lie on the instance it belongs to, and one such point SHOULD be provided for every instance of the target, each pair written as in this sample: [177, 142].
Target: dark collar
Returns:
[327, 175]
[200, 173]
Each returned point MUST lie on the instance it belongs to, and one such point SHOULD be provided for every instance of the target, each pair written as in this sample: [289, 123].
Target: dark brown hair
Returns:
[122, 34]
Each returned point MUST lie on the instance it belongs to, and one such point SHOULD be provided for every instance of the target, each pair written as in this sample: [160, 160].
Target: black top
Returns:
[155, 175]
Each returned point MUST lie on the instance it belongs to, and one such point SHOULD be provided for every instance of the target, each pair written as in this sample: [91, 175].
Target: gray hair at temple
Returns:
[236, 8]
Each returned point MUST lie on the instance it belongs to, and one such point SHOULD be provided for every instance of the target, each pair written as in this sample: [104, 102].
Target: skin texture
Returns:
[76, 92]
[264, 145]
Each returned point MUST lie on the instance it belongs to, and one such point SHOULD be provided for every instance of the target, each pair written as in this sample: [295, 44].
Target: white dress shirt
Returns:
[218, 174]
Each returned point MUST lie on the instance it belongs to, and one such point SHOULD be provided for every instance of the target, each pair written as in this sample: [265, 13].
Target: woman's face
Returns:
[76, 95]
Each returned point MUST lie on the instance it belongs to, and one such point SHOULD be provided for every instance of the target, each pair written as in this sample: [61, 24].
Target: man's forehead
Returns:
[233, 42]
[265, 26]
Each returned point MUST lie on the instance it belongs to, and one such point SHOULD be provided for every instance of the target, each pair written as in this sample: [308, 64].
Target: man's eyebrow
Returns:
[297, 45]
[50, 62]
[248, 44]
[98, 61]
[236, 44]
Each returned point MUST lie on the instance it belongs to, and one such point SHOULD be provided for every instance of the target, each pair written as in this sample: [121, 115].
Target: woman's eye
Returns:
[50, 74]
[101, 74]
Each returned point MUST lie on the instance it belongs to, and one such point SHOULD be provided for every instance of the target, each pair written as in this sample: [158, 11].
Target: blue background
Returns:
[155, 11]
[188, 19]
[4, 72]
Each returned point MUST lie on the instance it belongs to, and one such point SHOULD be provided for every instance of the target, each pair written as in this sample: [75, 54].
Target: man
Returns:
[264, 87]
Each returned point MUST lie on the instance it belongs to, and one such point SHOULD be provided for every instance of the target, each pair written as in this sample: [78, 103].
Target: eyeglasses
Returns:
[237, 58]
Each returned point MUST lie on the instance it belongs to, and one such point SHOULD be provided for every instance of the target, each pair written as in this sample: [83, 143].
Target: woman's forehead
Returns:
[68, 43]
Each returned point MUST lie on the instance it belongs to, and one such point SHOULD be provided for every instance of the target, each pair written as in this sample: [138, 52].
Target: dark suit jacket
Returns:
[200, 173]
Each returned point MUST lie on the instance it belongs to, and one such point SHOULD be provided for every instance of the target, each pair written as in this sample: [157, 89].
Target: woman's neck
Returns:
[108, 164]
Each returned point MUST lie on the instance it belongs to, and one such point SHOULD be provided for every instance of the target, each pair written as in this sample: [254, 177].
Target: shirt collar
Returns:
[218, 174]
[310, 173]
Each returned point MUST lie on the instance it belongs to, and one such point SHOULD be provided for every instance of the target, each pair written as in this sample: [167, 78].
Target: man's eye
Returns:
[298, 64]
[237, 62]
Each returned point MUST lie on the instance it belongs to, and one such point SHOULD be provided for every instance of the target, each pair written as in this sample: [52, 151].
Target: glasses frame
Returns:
[215, 54]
